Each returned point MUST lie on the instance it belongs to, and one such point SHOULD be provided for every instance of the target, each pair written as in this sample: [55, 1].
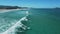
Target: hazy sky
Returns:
[32, 3]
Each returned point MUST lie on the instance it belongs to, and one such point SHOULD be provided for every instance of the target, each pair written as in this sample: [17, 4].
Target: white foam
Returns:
[11, 30]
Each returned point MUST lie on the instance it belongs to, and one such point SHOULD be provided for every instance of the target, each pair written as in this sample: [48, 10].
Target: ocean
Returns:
[33, 21]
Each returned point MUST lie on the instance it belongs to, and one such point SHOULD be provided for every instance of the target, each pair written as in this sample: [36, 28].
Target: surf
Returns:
[19, 24]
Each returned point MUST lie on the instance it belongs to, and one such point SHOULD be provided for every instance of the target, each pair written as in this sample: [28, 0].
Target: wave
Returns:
[18, 24]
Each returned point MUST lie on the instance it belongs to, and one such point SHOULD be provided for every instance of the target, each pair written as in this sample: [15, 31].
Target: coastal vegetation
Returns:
[11, 7]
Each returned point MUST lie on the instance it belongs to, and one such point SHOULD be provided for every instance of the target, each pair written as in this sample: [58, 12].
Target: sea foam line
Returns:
[11, 30]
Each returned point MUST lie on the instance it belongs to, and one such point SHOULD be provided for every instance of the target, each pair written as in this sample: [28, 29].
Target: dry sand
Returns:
[7, 10]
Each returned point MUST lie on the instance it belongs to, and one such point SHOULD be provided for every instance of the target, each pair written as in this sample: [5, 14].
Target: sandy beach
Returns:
[7, 10]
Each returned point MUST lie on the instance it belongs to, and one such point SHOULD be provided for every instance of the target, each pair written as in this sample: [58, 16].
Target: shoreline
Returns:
[7, 10]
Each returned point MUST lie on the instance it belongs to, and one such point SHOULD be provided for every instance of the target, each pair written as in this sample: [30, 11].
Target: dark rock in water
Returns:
[20, 30]
[24, 28]
[24, 22]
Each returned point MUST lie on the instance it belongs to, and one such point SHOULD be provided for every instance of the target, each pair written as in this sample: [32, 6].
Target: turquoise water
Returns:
[8, 19]
[40, 21]
[45, 21]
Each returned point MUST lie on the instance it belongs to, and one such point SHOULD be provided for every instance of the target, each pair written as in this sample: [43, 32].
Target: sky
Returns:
[32, 3]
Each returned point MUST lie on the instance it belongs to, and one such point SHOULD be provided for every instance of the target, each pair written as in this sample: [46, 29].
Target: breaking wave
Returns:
[16, 26]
